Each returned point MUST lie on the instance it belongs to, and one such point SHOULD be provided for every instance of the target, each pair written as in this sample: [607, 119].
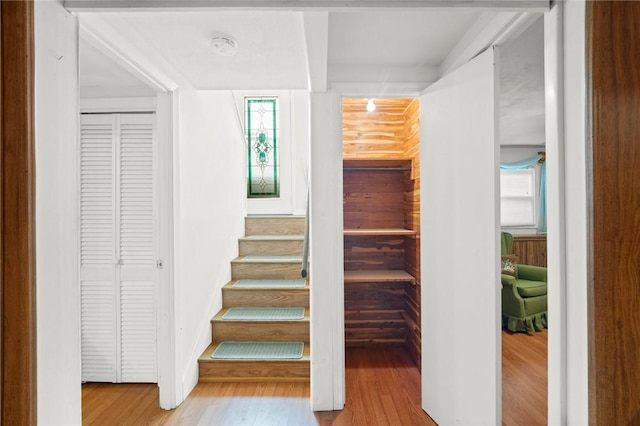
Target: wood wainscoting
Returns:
[531, 249]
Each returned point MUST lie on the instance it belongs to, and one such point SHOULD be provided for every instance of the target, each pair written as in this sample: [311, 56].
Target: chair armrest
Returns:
[509, 282]
[532, 273]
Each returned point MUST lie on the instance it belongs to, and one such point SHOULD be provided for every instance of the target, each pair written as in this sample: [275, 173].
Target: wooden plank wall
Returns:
[412, 221]
[383, 313]
[374, 310]
[373, 199]
[377, 134]
[531, 249]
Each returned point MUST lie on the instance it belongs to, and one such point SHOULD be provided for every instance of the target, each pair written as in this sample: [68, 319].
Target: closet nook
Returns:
[381, 224]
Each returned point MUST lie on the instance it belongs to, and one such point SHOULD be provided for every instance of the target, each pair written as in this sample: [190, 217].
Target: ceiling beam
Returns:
[316, 35]
[319, 5]
[483, 33]
[133, 56]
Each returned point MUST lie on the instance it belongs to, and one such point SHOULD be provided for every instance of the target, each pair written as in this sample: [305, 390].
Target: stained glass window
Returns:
[261, 123]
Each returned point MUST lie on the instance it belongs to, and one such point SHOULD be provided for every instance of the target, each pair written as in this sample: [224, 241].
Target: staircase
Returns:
[266, 275]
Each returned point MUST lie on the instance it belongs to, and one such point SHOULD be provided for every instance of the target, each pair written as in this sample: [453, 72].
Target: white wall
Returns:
[294, 151]
[326, 244]
[209, 209]
[576, 223]
[57, 288]
[300, 145]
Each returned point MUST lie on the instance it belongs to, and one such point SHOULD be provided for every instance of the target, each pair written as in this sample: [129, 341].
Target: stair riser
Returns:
[274, 331]
[265, 298]
[270, 248]
[274, 226]
[258, 270]
[254, 371]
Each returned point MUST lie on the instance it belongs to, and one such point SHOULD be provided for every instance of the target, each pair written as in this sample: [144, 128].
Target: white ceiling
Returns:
[100, 75]
[272, 49]
[522, 88]
[410, 38]
[368, 47]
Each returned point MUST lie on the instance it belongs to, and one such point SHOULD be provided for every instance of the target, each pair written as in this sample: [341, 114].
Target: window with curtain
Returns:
[517, 197]
[520, 205]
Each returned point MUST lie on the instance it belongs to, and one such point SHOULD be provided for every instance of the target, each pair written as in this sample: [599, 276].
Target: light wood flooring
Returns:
[383, 388]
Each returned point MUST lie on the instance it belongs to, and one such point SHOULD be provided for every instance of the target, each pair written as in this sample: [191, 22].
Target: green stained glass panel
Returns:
[262, 147]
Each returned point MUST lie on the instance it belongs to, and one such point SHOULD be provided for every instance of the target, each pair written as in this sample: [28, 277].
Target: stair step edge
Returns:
[229, 285]
[273, 237]
[268, 259]
[206, 355]
[218, 317]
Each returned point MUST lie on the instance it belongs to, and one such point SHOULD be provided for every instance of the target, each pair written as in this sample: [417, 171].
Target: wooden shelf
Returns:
[374, 232]
[377, 276]
[399, 164]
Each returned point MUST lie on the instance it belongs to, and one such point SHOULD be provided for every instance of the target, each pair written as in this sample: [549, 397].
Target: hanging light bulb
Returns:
[371, 106]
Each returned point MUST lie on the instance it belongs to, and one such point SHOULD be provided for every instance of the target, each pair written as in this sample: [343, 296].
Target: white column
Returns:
[576, 212]
[326, 265]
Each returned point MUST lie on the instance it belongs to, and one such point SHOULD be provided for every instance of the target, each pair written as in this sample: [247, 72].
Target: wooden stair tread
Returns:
[272, 238]
[206, 355]
[275, 216]
[254, 370]
[229, 286]
[218, 317]
[378, 276]
[289, 259]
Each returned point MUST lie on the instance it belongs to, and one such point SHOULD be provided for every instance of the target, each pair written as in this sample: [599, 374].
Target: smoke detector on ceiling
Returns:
[224, 44]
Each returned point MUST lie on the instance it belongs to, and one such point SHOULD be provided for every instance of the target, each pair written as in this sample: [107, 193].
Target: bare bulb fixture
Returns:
[224, 45]
[371, 106]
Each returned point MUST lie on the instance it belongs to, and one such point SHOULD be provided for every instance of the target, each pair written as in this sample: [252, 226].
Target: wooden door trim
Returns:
[613, 88]
[17, 210]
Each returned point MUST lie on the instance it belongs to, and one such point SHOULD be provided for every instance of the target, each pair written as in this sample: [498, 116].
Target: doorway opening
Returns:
[523, 217]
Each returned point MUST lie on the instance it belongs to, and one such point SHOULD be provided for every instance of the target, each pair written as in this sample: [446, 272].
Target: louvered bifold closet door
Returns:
[118, 245]
[98, 259]
[136, 249]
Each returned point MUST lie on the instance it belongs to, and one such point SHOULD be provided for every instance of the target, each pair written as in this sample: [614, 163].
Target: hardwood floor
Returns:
[524, 378]
[390, 372]
[383, 388]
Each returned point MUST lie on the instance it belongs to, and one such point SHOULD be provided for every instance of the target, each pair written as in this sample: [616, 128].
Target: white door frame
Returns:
[554, 113]
[165, 106]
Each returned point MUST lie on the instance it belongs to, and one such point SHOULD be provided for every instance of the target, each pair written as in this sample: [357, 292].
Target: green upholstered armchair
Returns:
[524, 299]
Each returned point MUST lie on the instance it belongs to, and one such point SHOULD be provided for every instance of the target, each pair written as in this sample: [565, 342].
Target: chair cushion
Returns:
[528, 288]
[509, 265]
[506, 243]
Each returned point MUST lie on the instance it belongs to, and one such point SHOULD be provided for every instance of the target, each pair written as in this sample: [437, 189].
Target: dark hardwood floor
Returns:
[383, 388]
